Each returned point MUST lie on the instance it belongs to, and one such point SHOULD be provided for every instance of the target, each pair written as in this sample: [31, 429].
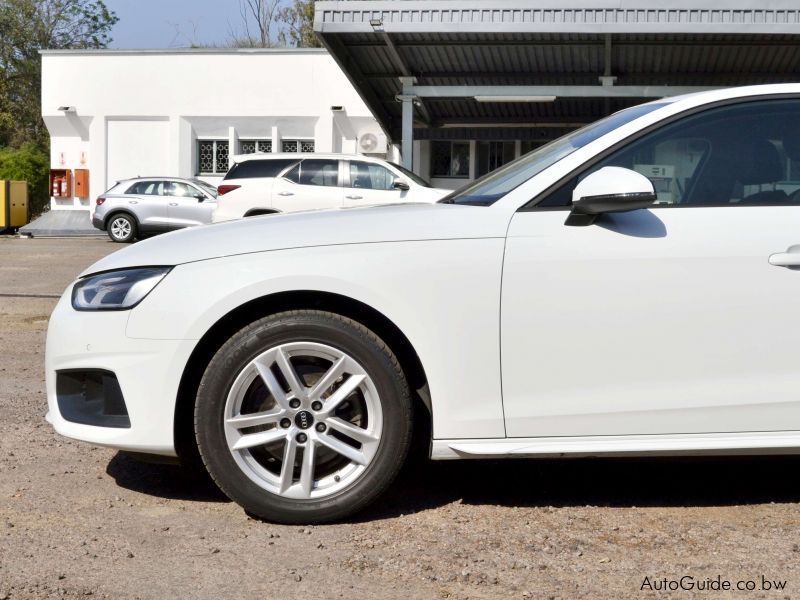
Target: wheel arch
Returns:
[233, 321]
[255, 212]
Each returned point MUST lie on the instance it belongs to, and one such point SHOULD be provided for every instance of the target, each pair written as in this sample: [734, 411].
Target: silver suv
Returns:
[134, 207]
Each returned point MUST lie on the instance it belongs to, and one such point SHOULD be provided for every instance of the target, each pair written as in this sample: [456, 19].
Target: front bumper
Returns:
[148, 372]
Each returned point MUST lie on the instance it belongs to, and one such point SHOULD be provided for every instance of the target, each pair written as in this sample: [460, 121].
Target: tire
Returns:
[312, 387]
[122, 228]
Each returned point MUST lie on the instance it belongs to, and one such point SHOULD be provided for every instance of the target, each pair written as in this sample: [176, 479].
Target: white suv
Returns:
[259, 184]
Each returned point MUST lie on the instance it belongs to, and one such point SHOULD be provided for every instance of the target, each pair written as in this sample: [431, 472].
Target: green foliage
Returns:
[26, 27]
[28, 163]
[298, 25]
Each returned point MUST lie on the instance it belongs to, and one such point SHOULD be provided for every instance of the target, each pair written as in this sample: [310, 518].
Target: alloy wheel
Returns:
[121, 228]
[303, 420]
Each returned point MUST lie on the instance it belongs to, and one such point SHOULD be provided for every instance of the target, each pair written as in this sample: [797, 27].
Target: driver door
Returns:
[370, 183]
[187, 205]
[669, 320]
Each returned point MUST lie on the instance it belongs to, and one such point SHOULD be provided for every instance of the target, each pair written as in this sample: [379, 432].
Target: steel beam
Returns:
[559, 91]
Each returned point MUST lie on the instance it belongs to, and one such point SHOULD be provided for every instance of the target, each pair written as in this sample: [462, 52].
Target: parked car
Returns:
[639, 278]
[143, 205]
[259, 184]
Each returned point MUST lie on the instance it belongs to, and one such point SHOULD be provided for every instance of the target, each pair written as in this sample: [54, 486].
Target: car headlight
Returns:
[116, 290]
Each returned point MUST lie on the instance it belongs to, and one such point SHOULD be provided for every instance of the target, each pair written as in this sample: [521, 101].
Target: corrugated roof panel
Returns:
[611, 16]
[517, 57]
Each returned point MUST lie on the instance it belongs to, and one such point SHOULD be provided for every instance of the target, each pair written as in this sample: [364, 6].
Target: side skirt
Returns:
[767, 442]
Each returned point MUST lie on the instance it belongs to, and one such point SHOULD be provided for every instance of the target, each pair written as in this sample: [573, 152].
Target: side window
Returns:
[450, 159]
[370, 176]
[182, 190]
[262, 167]
[319, 172]
[144, 187]
[293, 174]
[147, 188]
[744, 154]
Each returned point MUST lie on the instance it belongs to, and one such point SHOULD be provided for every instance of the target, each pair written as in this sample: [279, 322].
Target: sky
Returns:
[173, 23]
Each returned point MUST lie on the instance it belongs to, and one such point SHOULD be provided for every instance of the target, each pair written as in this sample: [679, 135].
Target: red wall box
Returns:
[82, 183]
[60, 183]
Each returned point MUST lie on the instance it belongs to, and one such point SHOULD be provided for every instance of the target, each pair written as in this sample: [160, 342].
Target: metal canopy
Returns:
[593, 56]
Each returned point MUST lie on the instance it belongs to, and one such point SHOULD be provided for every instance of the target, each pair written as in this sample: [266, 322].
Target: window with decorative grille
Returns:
[212, 156]
[297, 145]
[253, 146]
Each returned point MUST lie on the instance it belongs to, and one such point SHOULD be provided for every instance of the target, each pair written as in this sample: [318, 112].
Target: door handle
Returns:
[789, 259]
[354, 197]
[285, 193]
[173, 204]
[133, 202]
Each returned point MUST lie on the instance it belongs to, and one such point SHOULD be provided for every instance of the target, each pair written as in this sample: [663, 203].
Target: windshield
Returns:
[207, 187]
[491, 187]
[411, 175]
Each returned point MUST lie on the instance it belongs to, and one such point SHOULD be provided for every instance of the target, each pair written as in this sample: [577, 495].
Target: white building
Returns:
[463, 87]
[125, 113]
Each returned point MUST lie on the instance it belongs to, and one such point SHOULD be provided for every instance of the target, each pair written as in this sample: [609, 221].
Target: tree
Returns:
[29, 26]
[260, 15]
[29, 163]
[298, 25]
[294, 24]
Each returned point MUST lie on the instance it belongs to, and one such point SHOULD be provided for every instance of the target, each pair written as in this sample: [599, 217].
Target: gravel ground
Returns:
[79, 521]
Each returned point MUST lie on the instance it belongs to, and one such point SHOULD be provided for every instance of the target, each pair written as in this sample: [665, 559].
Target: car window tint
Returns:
[293, 174]
[319, 172]
[370, 176]
[742, 154]
[145, 187]
[148, 188]
[259, 168]
[182, 190]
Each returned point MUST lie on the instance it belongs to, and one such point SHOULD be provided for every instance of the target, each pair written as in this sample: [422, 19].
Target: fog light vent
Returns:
[91, 397]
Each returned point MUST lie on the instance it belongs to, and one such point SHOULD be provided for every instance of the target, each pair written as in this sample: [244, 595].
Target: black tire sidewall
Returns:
[311, 326]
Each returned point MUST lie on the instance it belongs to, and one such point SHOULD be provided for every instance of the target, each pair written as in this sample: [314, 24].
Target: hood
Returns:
[391, 223]
[440, 192]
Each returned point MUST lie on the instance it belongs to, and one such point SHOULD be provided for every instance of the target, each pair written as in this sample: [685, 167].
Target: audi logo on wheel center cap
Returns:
[304, 419]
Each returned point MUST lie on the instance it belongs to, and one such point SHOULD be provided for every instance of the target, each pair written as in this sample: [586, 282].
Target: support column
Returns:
[275, 136]
[408, 133]
[408, 122]
[233, 146]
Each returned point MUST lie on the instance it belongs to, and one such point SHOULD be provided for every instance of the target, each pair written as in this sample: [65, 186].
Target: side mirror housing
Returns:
[200, 197]
[401, 185]
[611, 189]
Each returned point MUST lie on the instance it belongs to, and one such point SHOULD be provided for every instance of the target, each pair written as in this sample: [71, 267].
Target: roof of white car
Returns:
[300, 155]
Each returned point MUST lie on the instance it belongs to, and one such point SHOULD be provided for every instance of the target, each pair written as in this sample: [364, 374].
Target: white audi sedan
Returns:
[627, 289]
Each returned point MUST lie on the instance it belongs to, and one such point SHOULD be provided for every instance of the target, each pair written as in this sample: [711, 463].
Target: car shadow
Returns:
[163, 480]
[611, 482]
[636, 223]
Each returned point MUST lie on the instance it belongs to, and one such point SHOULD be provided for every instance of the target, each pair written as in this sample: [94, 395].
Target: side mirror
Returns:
[200, 197]
[401, 185]
[611, 189]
